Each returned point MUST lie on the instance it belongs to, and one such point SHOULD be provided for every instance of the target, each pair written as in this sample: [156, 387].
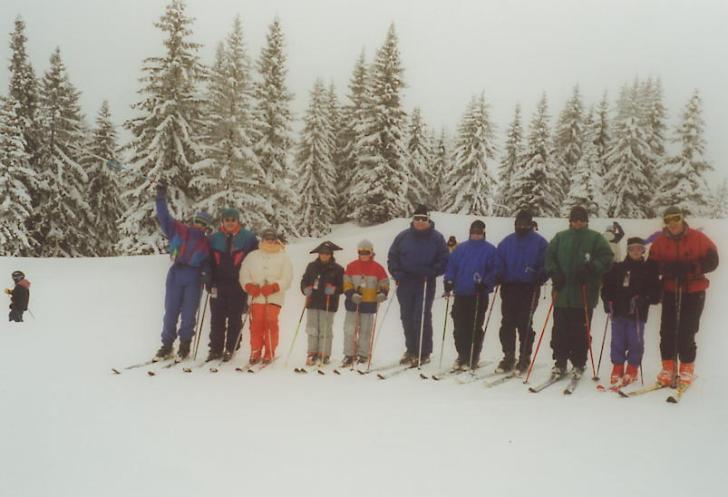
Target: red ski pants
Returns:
[264, 330]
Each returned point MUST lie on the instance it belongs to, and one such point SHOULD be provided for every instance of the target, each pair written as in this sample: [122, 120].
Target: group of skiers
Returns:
[243, 274]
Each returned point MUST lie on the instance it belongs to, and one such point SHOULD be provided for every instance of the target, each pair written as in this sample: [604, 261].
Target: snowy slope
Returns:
[69, 427]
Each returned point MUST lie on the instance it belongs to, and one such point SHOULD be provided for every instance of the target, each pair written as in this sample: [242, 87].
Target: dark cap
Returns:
[421, 210]
[578, 213]
[269, 234]
[230, 213]
[672, 211]
[524, 217]
[635, 240]
[477, 227]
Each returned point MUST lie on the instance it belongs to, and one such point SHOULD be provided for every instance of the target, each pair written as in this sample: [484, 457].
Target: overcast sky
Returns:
[451, 50]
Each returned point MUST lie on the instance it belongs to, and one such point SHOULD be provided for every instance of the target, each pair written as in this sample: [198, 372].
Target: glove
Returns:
[677, 269]
[252, 289]
[558, 280]
[269, 289]
[212, 290]
[542, 279]
[381, 297]
[607, 307]
[308, 291]
[329, 289]
[480, 286]
[356, 298]
[161, 189]
[583, 272]
[618, 232]
[449, 286]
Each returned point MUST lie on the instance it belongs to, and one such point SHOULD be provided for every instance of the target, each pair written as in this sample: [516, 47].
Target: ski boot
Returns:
[577, 371]
[687, 373]
[362, 359]
[667, 374]
[631, 375]
[226, 356]
[254, 358]
[523, 364]
[408, 359]
[617, 374]
[558, 370]
[164, 352]
[348, 361]
[213, 355]
[311, 359]
[506, 364]
[184, 350]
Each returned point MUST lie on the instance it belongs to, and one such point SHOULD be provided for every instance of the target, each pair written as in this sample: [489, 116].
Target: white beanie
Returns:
[365, 245]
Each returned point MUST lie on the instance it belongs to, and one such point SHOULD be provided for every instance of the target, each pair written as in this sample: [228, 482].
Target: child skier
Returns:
[19, 297]
[366, 285]
[629, 288]
[265, 275]
[322, 283]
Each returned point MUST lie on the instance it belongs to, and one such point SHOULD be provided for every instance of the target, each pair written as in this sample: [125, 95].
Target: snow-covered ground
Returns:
[69, 427]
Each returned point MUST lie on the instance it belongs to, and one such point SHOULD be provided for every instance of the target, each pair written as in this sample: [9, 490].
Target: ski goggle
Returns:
[674, 218]
[365, 252]
[420, 219]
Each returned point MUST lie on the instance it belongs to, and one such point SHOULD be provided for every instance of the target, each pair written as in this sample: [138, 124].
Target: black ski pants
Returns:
[568, 336]
[226, 314]
[465, 319]
[518, 301]
[690, 312]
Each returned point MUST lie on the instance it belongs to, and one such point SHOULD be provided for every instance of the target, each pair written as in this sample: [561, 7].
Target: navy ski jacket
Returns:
[417, 254]
[471, 258]
[522, 258]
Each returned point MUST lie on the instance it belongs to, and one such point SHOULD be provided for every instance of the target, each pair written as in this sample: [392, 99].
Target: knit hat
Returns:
[230, 213]
[578, 213]
[672, 211]
[365, 245]
[477, 227]
[452, 241]
[203, 219]
[326, 247]
[524, 218]
[17, 276]
[421, 210]
[635, 240]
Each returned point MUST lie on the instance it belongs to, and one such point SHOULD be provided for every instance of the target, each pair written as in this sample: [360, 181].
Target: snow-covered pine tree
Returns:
[166, 134]
[469, 181]
[64, 226]
[602, 133]
[379, 189]
[586, 187]
[684, 183]
[230, 175]
[315, 170]
[15, 176]
[441, 166]
[509, 165]
[272, 131]
[568, 137]
[720, 210]
[104, 187]
[653, 113]
[353, 124]
[336, 120]
[537, 183]
[420, 179]
[627, 189]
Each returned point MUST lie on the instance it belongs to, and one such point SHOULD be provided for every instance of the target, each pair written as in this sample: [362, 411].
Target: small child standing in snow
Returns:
[19, 297]
[629, 289]
[322, 283]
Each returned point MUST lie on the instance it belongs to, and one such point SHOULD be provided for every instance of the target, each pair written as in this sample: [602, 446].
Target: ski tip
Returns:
[622, 394]
[381, 377]
[595, 378]
[187, 370]
[320, 372]
[672, 400]
[336, 371]
[115, 371]
[239, 370]
[214, 370]
[151, 373]
[424, 376]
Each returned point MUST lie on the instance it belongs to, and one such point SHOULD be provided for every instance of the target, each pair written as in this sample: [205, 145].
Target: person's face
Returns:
[324, 257]
[230, 223]
[421, 222]
[636, 252]
[578, 223]
[523, 228]
[477, 236]
[269, 244]
[674, 223]
[365, 255]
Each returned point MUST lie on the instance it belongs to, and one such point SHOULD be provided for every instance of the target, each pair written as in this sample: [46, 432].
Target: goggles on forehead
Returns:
[674, 218]
[421, 219]
[365, 252]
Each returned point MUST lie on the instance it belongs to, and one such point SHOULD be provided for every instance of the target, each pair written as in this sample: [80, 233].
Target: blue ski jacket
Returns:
[472, 260]
[522, 258]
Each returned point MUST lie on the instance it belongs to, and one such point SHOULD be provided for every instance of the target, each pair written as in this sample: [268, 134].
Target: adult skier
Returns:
[576, 259]
[322, 283]
[229, 246]
[471, 274]
[417, 256]
[189, 249]
[683, 256]
[522, 257]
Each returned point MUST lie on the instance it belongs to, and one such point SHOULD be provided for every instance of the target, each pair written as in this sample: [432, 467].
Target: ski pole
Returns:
[477, 279]
[538, 345]
[375, 335]
[678, 310]
[528, 342]
[357, 332]
[587, 325]
[372, 328]
[295, 335]
[422, 322]
[324, 337]
[639, 340]
[604, 339]
[444, 328]
[490, 311]
[205, 295]
[240, 335]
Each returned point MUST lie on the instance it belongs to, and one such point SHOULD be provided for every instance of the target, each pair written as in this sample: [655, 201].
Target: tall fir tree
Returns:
[586, 186]
[720, 204]
[104, 186]
[654, 115]
[380, 184]
[537, 184]
[315, 169]
[568, 139]
[419, 160]
[509, 165]
[336, 118]
[166, 133]
[15, 177]
[602, 133]
[230, 175]
[273, 140]
[441, 166]
[684, 183]
[64, 225]
[627, 188]
[470, 182]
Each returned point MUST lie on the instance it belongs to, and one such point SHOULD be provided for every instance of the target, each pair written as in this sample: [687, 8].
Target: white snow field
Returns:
[70, 427]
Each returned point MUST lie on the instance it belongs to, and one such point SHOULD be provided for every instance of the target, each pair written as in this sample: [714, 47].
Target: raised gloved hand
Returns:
[329, 289]
[356, 298]
[269, 289]
[381, 297]
[308, 291]
[252, 289]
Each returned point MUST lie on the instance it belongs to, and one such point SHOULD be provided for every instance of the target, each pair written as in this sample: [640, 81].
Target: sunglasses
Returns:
[578, 219]
[676, 218]
[421, 219]
[365, 252]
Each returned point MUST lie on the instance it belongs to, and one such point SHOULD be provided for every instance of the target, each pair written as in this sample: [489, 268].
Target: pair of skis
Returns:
[555, 378]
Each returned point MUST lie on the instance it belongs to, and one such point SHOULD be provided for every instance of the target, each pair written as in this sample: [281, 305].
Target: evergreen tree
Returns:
[720, 210]
[568, 136]
[419, 162]
[15, 176]
[336, 121]
[626, 185]
[469, 181]
[104, 187]
[64, 228]
[684, 182]
[654, 114]
[273, 128]
[230, 175]
[509, 165]
[379, 190]
[602, 133]
[537, 185]
[441, 166]
[316, 174]
[166, 134]
[586, 185]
